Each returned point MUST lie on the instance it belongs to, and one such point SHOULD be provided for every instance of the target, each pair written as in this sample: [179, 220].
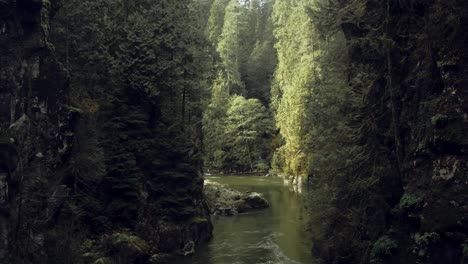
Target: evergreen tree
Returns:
[262, 61]
[229, 46]
[248, 57]
[215, 24]
[368, 98]
[147, 74]
[249, 24]
[213, 126]
[295, 76]
[248, 131]
[200, 11]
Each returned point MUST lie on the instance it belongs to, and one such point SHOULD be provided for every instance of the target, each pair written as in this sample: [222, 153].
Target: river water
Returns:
[277, 235]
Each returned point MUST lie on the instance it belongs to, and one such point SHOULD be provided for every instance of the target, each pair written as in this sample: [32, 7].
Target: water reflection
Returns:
[275, 235]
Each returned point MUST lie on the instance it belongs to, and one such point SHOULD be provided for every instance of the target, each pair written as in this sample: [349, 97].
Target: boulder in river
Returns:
[224, 201]
[253, 201]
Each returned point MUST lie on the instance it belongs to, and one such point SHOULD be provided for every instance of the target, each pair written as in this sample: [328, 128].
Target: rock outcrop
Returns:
[36, 120]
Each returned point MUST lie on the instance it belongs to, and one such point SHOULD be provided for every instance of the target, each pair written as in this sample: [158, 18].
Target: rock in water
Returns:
[225, 201]
[254, 201]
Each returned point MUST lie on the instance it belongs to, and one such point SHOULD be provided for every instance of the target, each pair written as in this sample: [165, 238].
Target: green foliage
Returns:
[247, 61]
[158, 76]
[262, 165]
[325, 117]
[136, 59]
[294, 76]
[260, 68]
[352, 85]
[213, 124]
[215, 24]
[247, 130]
[238, 139]
[229, 47]
[126, 133]
[364, 127]
[308, 92]
[140, 72]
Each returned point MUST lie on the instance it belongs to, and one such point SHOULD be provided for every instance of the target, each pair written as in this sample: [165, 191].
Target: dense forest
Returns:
[111, 112]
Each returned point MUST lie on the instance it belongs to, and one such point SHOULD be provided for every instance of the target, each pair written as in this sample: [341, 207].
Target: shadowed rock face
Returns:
[427, 74]
[34, 113]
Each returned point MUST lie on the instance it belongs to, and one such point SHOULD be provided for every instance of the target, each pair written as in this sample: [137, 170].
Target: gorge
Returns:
[114, 114]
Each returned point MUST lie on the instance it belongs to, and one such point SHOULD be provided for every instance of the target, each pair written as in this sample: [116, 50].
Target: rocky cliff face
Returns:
[437, 147]
[35, 120]
[417, 53]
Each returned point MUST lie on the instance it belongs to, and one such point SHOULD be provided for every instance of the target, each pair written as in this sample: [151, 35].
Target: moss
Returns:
[410, 202]
[128, 238]
[119, 245]
[439, 120]
[383, 249]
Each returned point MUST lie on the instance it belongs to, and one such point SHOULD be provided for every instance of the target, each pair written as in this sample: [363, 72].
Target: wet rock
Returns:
[254, 201]
[189, 248]
[224, 201]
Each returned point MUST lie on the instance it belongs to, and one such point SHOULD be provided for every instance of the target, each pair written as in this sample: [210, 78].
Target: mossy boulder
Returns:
[119, 247]
[253, 201]
[224, 201]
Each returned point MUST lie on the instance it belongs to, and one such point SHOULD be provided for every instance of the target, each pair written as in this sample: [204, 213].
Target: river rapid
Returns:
[277, 235]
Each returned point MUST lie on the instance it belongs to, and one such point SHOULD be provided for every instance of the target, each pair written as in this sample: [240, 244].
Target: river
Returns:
[276, 235]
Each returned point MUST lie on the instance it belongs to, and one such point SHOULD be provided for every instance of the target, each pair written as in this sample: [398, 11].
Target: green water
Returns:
[274, 235]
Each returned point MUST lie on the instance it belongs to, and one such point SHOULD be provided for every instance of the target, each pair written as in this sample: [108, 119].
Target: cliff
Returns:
[60, 199]
[416, 55]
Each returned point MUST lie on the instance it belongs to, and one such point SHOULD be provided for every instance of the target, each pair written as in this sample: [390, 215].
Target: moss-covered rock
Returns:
[383, 249]
[224, 201]
[410, 202]
[119, 247]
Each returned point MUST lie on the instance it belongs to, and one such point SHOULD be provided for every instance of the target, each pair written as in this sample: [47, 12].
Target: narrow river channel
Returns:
[276, 235]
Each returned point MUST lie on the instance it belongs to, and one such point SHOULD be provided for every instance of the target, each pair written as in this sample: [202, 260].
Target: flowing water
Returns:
[275, 235]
